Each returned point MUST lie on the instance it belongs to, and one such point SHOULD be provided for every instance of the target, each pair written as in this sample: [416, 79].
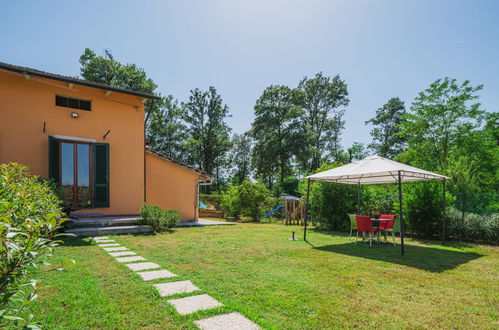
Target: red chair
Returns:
[364, 225]
[387, 226]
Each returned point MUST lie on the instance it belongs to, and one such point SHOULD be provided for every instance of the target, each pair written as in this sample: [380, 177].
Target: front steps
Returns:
[95, 226]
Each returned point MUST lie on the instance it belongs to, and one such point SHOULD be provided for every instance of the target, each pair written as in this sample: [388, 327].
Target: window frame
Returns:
[68, 98]
[75, 170]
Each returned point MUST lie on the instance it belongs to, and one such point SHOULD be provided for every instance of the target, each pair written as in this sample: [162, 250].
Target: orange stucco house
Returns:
[89, 137]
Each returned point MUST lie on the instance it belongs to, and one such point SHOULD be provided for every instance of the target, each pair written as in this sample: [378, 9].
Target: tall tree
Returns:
[240, 158]
[107, 70]
[387, 141]
[438, 118]
[274, 129]
[209, 134]
[356, 151]
[322, 119]
[166, 131]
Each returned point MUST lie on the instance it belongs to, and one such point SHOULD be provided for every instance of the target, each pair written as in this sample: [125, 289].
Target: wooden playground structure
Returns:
[294, 213]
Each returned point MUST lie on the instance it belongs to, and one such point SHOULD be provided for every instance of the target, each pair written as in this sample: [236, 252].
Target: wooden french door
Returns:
[76, 174]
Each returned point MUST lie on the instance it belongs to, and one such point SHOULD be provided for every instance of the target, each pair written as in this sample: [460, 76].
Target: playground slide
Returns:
[274, 210]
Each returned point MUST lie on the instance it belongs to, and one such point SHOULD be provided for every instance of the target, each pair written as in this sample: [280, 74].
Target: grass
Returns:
[254, 269]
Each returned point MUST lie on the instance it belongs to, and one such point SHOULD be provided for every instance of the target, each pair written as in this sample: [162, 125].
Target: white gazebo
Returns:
[374, 170]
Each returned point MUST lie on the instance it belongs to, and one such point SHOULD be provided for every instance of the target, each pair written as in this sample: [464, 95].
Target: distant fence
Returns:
[204, 213]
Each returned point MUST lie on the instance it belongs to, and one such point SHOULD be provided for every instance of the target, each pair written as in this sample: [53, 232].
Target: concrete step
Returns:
[103, 221]
[109, 230]
[77, 214]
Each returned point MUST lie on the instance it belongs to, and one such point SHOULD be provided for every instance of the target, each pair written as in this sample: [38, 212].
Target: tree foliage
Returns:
[438, 118]
[166, 129]
[275, 131]
[322, 121]
[240, 158]
[387, 141]
[209, 135]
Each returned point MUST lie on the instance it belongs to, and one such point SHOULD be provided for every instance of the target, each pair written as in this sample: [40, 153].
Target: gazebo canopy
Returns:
[372, 170]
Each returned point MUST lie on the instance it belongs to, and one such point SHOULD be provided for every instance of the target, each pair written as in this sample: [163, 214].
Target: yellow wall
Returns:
[26, 104]
[171, 187]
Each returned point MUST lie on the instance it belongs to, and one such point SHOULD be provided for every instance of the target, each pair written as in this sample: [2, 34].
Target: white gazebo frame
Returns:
[376, 170]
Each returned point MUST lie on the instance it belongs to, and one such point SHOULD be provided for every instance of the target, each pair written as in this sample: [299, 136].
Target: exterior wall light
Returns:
[74, 114]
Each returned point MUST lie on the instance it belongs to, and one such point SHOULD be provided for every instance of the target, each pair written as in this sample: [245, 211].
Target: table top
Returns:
[374, 219]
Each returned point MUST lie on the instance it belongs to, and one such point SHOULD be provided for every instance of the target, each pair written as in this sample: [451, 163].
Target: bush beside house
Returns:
[160, 220]
[30, 216]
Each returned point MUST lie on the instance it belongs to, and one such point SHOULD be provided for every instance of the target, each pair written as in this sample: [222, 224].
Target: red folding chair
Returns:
[387, 226]
[364, 225]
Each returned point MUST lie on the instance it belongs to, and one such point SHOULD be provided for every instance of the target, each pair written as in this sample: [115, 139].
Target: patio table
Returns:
[378, 220]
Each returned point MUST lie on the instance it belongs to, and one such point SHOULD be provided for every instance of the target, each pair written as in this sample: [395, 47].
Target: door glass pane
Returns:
[67, 164]
[67, 174]
[83, 165]
[83, 183]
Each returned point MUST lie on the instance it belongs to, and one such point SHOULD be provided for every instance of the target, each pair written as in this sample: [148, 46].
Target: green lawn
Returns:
[254, 269]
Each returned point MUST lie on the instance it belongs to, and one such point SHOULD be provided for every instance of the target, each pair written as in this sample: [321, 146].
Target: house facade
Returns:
[89, 138]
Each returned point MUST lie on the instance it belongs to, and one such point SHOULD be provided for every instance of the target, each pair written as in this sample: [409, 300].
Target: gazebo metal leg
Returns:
[402, 250]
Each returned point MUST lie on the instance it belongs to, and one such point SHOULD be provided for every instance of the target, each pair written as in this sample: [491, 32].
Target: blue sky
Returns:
[382, 49]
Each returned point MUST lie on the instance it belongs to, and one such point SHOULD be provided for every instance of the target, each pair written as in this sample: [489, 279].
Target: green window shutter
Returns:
[54, 161]
[101, 175]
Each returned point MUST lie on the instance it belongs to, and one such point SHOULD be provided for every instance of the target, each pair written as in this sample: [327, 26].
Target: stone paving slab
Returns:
[193, 304]
[142, 266]
[156, 274]
[112, 249]
[105, 241]
[100, 237]
[121, 254]
[109, 244]
[230, 321]
[130, 259]
[171, 288]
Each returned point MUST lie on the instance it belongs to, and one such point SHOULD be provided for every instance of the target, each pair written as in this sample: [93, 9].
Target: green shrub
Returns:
[473, 226]
[30, 216]
[172, 218]
[228, 203]
[248, 199]
[158, 219]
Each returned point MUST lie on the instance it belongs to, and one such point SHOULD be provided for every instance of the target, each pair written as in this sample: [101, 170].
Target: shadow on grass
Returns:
[431, 259]
[76, 241]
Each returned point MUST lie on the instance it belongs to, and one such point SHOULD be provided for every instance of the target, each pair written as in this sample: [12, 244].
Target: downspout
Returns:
[145, 145]
[196, 204]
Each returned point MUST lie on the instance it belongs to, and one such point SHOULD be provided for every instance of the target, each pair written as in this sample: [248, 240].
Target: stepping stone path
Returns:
[130, 259]
[142, 266]
[112, 249]
[192, 304]
[120, 254]
[168, 289]
[184, 306]
[97, 238]
[226, 322]
[156, 274]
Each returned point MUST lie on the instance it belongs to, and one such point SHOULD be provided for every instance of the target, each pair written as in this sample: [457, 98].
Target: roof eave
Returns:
[76, 81]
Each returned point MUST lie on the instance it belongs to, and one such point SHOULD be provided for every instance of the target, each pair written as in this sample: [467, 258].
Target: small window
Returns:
[71, 102]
